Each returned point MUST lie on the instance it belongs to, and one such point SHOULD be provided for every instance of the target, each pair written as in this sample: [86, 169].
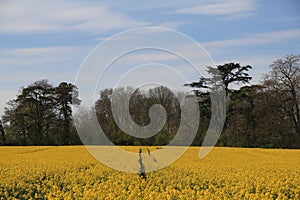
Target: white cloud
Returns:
[37, 51]
[34, 56]
[41, 16]
[171, 24]
[221, 7]
[269, 37]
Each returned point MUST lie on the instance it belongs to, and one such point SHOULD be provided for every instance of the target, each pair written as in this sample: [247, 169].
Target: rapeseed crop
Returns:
[226, 173]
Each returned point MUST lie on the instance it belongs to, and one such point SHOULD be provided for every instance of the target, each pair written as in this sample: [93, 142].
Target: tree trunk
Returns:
[2, 133]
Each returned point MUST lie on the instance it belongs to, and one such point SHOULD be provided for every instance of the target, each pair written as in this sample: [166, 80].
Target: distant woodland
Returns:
[263, 115]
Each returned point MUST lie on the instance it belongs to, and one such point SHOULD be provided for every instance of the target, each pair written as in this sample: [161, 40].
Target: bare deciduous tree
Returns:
[285, 78]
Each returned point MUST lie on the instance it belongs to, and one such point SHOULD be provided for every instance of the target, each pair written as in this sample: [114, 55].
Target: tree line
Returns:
[260, 115]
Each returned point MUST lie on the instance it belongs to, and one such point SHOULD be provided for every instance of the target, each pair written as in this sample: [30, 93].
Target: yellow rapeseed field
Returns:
[226, 173]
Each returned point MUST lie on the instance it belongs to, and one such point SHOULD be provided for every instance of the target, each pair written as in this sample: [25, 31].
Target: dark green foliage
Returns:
[234, 72]
[66, 95]
[41, 115]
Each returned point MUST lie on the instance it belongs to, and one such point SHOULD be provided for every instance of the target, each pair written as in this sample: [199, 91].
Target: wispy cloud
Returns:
[42, 16]
[36, 51]
[171, 24]
[221, 7]
[34, 56]
[269, 37]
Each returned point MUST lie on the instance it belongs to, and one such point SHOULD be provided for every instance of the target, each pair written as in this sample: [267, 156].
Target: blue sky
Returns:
[50, 39]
